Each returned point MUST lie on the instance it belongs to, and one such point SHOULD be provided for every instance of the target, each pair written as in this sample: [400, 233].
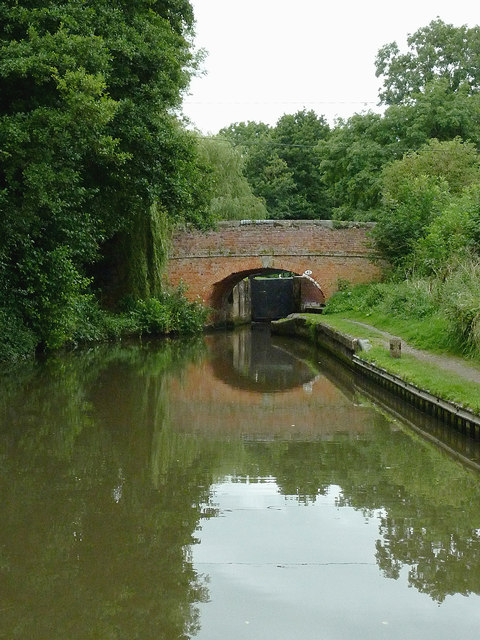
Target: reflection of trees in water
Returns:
[98, 509]
[429, 504]
[101, 497]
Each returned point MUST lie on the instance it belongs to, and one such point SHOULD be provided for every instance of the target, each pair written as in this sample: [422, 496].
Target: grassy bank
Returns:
[425, 375]
[430, 333]
[434, 379]
[168, 314]
[434, 314]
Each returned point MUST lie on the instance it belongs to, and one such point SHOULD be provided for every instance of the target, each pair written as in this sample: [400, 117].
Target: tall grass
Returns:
[438, 312]
[461, 303]
[411, 298]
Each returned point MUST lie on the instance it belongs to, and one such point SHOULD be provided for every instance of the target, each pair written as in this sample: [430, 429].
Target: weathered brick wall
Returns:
[212, 262]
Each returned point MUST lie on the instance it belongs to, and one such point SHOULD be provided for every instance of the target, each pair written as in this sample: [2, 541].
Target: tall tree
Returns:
[437, 51]
[296, 137]
[431, 92]
[350, 163]
[232, 195]
[268, 175]
[281, 163]
[89, 143]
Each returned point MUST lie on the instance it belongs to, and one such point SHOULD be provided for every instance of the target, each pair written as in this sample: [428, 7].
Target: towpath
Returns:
[455, 364]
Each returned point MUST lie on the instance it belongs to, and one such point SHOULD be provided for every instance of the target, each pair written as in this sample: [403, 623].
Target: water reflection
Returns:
[99, 500]
[279, 568]
[117, 461]
[251, 359]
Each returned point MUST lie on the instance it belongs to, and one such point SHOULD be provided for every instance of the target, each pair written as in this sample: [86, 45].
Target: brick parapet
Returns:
[275, 238]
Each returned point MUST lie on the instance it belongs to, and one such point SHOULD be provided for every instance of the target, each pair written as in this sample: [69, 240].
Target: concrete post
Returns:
[395, 347]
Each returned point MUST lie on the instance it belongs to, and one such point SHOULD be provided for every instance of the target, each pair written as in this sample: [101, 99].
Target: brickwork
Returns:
[211, 263]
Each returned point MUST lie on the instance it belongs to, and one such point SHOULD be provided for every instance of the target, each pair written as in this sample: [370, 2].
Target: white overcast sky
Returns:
[270, 57]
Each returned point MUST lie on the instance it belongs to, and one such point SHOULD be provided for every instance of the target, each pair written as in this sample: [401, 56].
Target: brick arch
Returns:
[231, 300]
[211, 263]
[223, 288]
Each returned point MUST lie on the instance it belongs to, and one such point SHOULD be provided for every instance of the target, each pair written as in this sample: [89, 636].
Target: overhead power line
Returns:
[269, 102]
[246, 143]
[257, 142]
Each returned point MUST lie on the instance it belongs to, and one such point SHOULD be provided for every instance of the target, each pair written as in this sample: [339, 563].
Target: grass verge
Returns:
[440, 383]
[428, 333]
[434, 379]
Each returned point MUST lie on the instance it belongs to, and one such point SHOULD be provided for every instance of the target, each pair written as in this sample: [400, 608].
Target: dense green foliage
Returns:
[417, 173]
[352, 159]
[96, 167]
[168, 313]
[232, 195]
[419, 189]
[89, 145]
[337, 173]
[437, 51]
[428, 232]
[282, 163]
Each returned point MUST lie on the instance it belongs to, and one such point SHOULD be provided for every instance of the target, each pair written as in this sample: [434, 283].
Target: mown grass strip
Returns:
[342, 324]
[432, 378]
[440, 383]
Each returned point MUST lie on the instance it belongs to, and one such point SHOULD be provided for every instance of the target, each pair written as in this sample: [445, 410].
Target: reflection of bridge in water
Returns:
[290, 393]
[256, 362]
[253, 385]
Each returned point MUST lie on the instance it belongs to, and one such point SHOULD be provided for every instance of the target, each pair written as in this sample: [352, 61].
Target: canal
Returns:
[234, 487]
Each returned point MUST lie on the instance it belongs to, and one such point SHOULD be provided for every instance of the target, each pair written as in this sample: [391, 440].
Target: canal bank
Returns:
[456, 402]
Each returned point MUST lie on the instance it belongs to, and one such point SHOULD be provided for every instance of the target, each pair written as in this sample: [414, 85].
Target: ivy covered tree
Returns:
[89, 143]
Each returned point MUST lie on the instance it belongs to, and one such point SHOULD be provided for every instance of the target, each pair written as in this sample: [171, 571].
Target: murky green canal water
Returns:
[232, 489]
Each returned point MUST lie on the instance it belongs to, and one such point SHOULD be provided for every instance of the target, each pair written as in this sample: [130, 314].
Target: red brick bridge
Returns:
[218, 265]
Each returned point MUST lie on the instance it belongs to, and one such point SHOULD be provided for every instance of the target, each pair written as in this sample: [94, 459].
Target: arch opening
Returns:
[264, 294]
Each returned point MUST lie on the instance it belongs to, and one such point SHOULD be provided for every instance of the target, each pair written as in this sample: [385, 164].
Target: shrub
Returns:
[170, 313]
[93, 324]
[403, 219]
[16, 340]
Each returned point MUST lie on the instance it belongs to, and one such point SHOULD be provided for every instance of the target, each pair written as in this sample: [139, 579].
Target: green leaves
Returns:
[437, 51]
[89, 142]
[282, 163]
[402, 221]
[232, 196]
[350, 162]
[427, 203]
